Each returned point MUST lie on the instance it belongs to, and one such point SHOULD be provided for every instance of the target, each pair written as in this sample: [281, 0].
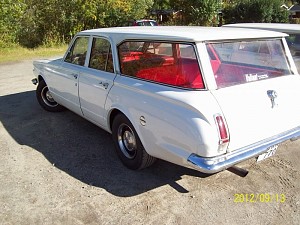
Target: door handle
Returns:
[104, 84]
[75, 75]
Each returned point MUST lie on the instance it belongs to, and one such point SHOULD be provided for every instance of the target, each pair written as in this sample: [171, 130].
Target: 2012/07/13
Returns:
[259, 197]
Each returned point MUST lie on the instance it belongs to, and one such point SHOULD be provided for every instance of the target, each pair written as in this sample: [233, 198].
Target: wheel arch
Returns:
[40, 78]
[146, 159]
[45, 98]
[116, 111]
[112, 115]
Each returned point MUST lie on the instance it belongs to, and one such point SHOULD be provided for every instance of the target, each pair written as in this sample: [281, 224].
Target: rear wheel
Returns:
[128, 145]
[45, 98]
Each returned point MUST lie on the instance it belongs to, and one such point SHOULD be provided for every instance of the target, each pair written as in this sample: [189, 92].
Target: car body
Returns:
[174, 93]
[293, 30]
[141, 22]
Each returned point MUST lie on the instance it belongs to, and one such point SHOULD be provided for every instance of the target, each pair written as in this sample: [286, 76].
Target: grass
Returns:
[18, 53]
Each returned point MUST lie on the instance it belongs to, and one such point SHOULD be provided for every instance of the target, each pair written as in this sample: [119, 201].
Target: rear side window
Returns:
[161, 62]
[101, 57]
[241, 62]
[77, 52]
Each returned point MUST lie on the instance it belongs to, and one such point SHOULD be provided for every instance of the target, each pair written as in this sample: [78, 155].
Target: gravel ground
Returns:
[57, 168]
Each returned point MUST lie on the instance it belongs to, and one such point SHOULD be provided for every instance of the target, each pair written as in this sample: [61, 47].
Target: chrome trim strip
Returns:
[219, 163]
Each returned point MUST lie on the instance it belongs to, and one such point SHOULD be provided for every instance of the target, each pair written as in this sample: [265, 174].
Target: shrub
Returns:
[28, 35]
[256, 11]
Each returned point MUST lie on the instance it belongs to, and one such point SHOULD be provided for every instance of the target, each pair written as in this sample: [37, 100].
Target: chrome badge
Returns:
[272, 95]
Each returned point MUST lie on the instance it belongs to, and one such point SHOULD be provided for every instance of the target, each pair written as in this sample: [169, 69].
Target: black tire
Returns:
[45, 99]
[128, 144]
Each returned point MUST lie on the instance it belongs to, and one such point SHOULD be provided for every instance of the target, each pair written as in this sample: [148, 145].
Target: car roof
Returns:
[281, 27]
[177, 33]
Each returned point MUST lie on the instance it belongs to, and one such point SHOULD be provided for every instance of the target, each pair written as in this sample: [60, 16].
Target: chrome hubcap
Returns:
[47, 97]
[127, 141]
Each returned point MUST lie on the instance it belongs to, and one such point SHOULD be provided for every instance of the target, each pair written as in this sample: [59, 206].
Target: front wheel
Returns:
[128, 145]
[45, 98]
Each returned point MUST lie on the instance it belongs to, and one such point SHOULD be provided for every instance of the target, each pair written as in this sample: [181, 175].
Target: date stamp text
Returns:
[259, 197]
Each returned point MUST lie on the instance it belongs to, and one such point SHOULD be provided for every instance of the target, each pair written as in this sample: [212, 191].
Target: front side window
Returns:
[77, 52]
[101, 56]
[240, 62]
[161, 62]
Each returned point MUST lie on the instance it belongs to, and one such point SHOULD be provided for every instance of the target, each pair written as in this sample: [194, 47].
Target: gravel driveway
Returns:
[57, 168]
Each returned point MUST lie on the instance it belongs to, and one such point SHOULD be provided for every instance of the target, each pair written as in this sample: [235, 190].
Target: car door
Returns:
[96, 80]
[65, 83]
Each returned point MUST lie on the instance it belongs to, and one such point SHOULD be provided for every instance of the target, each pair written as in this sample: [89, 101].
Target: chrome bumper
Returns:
[219, 163]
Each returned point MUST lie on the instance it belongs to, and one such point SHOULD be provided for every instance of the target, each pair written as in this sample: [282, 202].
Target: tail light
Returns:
[222, 131]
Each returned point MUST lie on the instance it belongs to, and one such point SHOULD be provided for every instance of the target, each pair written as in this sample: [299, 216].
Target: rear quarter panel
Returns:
[178, 122]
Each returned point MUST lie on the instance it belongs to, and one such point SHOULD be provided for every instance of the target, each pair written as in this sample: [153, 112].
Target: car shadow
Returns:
[81, 149]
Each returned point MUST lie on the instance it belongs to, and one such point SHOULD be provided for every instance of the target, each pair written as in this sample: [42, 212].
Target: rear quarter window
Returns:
[161, 62]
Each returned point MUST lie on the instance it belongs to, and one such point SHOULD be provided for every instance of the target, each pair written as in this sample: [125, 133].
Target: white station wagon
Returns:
[198, 97]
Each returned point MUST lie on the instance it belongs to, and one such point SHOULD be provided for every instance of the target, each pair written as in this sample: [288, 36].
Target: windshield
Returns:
[241, 62]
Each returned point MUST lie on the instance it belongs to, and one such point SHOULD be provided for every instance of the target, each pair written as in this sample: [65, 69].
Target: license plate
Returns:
[270, 152]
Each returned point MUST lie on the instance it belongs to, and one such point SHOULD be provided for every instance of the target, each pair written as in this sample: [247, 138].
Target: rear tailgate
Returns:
[251, 113]
[257, 92]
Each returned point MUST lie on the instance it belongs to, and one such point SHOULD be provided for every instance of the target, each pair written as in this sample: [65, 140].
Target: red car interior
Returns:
[183, 72]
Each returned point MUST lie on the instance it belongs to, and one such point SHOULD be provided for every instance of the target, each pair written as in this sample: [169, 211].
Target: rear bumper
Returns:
[219, 163]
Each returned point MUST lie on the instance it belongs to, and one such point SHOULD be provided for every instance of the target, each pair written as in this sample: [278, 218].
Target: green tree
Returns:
[11, 12]
[198, 12]
[204, 12]
[161, 4]
[259, 11]
[118, 12]
[46, 21]
[56, 21]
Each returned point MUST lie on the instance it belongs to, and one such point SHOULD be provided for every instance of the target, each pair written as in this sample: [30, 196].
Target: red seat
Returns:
[182, 76]
[164, 74]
